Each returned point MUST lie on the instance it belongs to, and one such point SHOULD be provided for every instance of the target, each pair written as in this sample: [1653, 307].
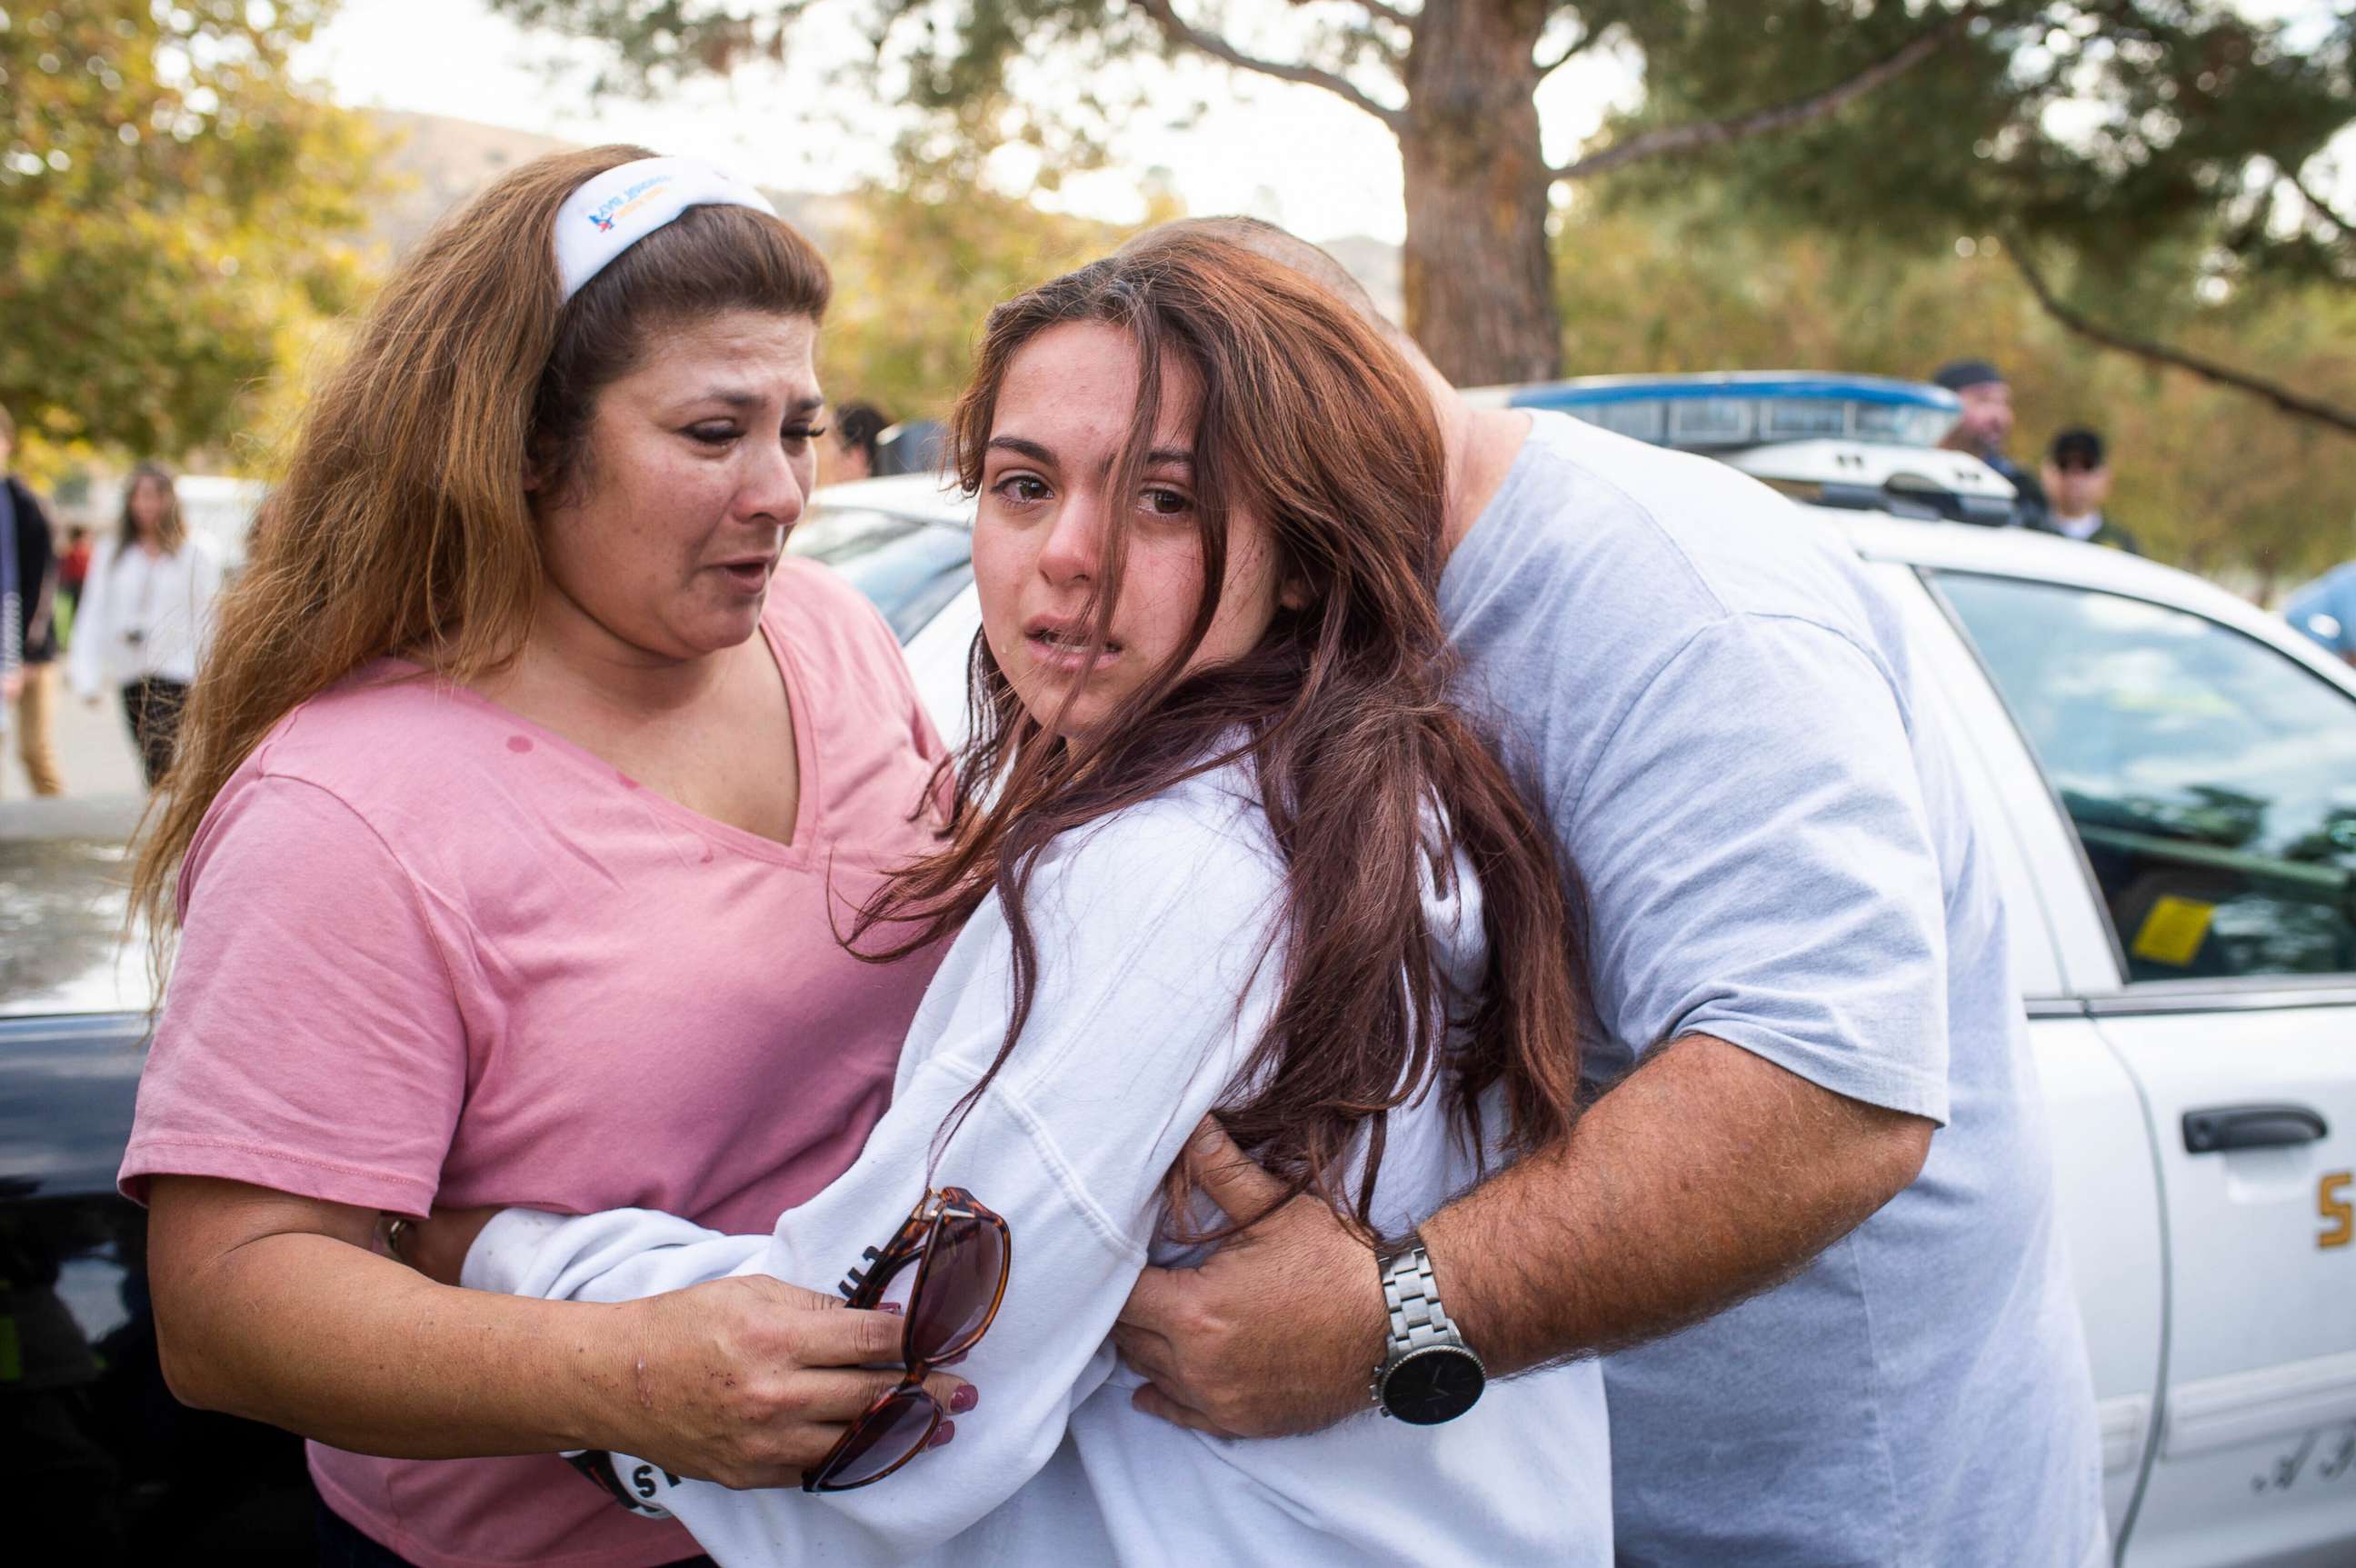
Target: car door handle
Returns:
[2217, 1128]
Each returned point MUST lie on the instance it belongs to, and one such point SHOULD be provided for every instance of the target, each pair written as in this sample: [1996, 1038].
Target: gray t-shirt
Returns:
[1719, 715]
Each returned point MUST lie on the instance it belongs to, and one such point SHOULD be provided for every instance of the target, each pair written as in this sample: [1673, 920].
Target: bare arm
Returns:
[274, 1307]
[1708, 1175]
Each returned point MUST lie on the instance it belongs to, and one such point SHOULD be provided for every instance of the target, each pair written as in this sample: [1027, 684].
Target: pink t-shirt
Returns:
[433, 952]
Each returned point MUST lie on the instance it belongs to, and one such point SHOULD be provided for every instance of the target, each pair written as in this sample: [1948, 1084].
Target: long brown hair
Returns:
[171, 529]
[1372, 781]
[402, 524]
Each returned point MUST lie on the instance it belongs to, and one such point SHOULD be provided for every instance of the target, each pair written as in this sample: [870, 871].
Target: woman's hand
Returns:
[746, 1381]
[749, 1381]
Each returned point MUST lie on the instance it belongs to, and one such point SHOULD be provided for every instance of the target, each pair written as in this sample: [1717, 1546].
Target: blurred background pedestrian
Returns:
[2077, 479]
[851, 448]
[29, 644]
[146, 613]
[73, 569]
[1986, 425]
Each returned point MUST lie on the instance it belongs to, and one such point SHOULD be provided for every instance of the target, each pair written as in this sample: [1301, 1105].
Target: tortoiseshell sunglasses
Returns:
[963, 1253]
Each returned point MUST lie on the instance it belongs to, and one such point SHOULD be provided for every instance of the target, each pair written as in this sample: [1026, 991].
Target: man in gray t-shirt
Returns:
[1777, 855]
[1801, 969]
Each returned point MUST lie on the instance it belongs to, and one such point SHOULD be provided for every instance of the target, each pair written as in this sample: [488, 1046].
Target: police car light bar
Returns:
[1856, 475]
[1745, 408]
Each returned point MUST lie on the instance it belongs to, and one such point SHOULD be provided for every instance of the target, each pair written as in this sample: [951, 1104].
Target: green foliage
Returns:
[2207, 478]
[2153, 153]
[2163, 145]
[2156, 141]
[919, 267]
[166, 190]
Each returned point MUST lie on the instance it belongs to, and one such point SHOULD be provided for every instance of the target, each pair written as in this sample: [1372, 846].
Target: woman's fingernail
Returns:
[965, 1399]
[941, 1434]
[890, 1307]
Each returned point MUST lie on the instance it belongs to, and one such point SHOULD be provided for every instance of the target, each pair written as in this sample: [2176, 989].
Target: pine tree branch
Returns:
[1570, 51]
[1704, 134]
[2282, 397]
[2317, 205]
[1165, 17]
[1388, 12]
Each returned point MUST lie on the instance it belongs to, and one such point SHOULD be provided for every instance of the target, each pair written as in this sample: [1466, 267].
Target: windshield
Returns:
[907, 567]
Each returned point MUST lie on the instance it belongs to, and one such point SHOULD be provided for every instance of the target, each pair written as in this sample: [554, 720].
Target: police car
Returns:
[2167, 780]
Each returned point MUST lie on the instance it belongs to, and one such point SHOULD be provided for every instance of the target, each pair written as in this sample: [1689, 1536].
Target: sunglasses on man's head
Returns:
[962, 1253]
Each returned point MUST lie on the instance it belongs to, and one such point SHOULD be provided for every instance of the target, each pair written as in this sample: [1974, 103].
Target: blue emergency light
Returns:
[1752, 408]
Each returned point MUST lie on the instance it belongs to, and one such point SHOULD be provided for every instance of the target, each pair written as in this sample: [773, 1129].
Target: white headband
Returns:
[614, 210]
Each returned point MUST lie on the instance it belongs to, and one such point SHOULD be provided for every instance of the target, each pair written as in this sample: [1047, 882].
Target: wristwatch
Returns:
[1428, 1374]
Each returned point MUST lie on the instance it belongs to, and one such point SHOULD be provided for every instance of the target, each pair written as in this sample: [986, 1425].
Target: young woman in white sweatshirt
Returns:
[1218, 846]
[145, 615]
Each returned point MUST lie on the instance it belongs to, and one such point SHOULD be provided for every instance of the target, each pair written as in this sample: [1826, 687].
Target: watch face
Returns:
[1433, 1385]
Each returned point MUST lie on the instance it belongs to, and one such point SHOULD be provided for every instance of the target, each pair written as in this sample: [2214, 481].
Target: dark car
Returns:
[103, 1465]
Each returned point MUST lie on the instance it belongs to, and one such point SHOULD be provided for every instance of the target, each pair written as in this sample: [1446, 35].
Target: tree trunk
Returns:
[1479, 285]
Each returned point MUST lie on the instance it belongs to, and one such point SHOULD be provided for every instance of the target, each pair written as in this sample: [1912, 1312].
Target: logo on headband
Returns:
[617, 207]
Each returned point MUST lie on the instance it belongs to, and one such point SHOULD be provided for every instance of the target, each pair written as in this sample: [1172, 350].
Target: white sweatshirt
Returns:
[141, 614]
[1151, 928]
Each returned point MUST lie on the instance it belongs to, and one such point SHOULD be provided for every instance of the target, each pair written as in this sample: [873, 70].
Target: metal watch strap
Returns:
[1412, 1295]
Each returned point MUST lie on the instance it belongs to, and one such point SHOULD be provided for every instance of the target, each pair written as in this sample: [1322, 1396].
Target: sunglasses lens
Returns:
[884, 1436]
[960, 1285]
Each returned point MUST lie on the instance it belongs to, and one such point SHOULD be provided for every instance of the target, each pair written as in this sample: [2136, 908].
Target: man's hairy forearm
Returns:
[1705, 1176]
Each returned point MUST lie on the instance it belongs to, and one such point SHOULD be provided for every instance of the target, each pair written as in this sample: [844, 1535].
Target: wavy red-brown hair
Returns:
[402, 523]
[1373, 779]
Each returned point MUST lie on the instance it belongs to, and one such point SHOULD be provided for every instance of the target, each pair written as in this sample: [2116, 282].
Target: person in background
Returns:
[29, 643]
[146, 613]
[2077, 478]
[1985, 425]
[2326, 610]
[73, 570]
[851, 455]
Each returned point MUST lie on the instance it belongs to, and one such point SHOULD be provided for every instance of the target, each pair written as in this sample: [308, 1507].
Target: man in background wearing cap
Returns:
[2077, 482]
[1986, 420]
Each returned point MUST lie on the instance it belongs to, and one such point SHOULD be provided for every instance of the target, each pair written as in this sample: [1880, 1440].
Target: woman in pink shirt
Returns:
[517, 809]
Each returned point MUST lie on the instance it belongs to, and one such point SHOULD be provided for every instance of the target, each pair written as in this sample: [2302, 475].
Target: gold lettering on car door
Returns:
[2338, 1211]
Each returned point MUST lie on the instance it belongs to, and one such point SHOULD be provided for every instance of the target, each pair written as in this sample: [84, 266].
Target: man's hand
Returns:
[1704, 1176]
[1278, 1333]
[746, 1381]
[750, 1382]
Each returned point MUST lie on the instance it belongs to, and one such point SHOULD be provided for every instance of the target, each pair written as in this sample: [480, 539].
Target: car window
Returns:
[2211, 778]
[908, 567]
